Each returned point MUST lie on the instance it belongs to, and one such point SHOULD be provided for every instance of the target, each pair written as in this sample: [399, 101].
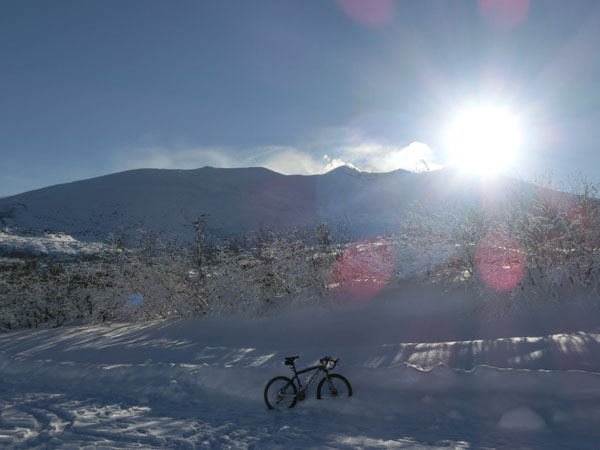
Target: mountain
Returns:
[240, 200]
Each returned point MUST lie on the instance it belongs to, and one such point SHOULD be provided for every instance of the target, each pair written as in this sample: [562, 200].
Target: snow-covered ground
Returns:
[427, 372]
[56, 245]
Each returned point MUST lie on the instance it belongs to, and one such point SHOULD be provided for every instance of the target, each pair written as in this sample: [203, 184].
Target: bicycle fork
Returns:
[332, 388]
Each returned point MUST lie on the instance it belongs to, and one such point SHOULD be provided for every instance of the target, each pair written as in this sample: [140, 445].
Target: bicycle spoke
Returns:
[280, 393]
[335, 386]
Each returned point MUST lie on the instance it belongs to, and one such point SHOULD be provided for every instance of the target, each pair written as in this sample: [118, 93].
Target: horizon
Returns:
[546, 180]
[536, 179]
[297, 87]
[204, 167]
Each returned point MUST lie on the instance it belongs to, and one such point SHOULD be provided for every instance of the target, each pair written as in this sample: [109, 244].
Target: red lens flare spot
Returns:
[500, 262]
[503, 13]
[362, 271]
[372, 13]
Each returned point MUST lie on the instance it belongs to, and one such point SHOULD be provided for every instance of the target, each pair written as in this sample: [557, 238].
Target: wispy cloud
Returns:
[376, 157]
[291, 160]
[305, 160]
[164, 157]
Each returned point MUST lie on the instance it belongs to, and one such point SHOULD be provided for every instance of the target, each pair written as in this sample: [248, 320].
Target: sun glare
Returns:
[483, 140]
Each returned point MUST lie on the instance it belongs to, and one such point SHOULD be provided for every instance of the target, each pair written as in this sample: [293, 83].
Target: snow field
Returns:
[198, 383]
[156, 405]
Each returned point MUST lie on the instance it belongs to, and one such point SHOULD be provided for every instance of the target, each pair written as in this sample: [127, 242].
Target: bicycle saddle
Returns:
[290, 360]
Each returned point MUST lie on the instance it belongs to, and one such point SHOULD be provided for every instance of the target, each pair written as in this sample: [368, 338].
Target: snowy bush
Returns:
[271, 265]
[39, 291]
[541, 245]
[155, 278]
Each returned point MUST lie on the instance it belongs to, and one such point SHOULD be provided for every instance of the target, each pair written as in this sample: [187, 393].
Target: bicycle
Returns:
[282, 392]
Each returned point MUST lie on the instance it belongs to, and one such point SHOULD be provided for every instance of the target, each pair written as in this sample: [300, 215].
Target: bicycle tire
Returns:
[273, 395]
[342, 388]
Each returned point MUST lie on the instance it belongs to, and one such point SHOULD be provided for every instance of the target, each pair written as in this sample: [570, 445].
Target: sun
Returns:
[483, 139]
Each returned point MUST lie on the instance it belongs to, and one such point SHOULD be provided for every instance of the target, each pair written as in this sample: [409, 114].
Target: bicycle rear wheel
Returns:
[280, 393]
[334, 386]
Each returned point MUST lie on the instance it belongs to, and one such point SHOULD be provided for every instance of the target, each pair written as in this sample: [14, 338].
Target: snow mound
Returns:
[57, 245]
[522, 419]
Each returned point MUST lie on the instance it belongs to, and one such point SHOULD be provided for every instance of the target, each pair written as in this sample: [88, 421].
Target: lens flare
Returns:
[373, 13]
[503, 13]
[362, 271]
[135, 299]
[500, 262]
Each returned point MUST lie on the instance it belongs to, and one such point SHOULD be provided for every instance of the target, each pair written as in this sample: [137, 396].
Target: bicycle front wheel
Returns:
[280, 393]
[334, 386]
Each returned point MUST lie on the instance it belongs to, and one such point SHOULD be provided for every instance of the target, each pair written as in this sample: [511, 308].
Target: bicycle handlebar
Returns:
[326, 360]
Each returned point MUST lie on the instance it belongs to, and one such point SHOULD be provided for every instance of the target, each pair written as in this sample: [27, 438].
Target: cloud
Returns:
[290, 160]
[332, 163]
[285, 160]
[159, 157]
[365, 156]
[376, 157]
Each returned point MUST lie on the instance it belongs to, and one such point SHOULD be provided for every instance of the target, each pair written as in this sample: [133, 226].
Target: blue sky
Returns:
[94, 87]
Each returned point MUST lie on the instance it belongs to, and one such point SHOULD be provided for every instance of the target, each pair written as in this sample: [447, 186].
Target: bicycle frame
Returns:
[312, 379]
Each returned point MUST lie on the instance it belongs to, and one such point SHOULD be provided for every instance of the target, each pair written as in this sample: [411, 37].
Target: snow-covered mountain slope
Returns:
[240, 200]
[60, 245]
[426, 373]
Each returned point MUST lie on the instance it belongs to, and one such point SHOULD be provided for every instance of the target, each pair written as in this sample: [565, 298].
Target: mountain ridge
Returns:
[239, 200]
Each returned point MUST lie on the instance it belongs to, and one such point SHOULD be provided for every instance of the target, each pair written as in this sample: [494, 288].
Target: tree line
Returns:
[542, 246]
